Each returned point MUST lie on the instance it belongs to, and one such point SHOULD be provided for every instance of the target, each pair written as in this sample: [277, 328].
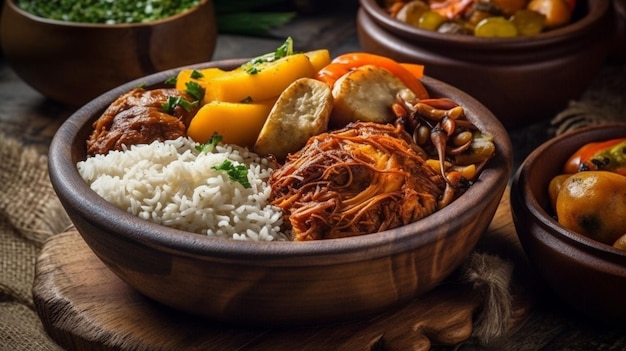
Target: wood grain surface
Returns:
[84, 306]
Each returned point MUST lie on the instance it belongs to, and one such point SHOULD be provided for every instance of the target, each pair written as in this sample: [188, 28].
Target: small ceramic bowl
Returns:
[521, 80]
[278, 283]
[587, 275]
[72, 63]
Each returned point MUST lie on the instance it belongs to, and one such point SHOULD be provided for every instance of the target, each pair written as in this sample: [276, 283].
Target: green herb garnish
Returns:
[254, 66]
[170, 81]
[210, 145]
[195, 90]
[284, 50]
[173, 101]
[238, 173]
[195, 74]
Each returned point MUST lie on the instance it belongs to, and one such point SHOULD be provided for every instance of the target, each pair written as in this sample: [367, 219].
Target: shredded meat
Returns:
[362, 179]
[137, 117]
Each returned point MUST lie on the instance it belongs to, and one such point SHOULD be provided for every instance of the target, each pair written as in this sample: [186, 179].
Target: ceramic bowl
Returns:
[73, 63]
[278, 283]
[521, 80]
[590, 277]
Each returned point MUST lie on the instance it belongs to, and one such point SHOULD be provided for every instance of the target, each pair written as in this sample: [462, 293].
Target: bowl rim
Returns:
[73, 189]
[574, 30]
[521, 187]
[49, 21]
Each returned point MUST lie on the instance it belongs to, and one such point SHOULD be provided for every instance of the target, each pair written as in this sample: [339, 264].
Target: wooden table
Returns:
[29, 117]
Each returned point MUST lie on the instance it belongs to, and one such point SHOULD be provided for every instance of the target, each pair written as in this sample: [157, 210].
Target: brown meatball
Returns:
[138, 117]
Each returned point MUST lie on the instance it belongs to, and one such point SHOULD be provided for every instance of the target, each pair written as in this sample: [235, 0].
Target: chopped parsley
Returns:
[171, 80]
[210, 145]
[173, 101]
[106, 11]
[254, 66]
[195, 90]
[195, 74]
[238, 173]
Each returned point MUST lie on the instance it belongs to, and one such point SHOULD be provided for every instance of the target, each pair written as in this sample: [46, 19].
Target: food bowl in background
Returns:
[73, 63]
[521, 80]
[278, 283]
[590, 277]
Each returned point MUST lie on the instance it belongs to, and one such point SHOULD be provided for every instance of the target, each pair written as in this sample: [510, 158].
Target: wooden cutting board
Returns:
[84, 306]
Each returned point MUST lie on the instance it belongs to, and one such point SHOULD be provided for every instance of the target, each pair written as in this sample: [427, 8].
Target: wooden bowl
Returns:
[521, 80]
[587, 275]
[278, 283]
[73, 63]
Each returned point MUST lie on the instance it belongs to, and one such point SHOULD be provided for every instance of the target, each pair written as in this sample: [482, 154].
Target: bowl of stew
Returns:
[523, 78]
[586, 271]
[258, 276]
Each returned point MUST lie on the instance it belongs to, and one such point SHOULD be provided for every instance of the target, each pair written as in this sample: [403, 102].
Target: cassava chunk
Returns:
[301, 112]
[365, 94]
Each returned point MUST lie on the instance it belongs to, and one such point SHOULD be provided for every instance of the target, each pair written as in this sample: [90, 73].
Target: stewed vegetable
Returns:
[589, 197]
[483, 18]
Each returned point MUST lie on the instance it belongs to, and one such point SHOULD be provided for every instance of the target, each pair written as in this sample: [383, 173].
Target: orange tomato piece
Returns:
[607, 155]
[557, 12]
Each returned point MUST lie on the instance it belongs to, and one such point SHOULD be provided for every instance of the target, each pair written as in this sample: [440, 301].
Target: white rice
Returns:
[173, 184]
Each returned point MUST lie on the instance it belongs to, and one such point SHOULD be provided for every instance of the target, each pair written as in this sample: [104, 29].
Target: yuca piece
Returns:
[365, 94]
[302, 111]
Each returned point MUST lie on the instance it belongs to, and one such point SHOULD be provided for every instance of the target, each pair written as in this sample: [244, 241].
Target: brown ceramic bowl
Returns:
[73, 63]
[288, 283]
[521, 80]
[587, 275]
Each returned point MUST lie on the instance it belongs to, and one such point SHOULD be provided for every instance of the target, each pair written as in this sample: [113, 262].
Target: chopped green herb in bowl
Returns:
[106, 11]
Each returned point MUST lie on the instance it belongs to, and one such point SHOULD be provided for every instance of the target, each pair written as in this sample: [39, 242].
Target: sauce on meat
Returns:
[138, 117]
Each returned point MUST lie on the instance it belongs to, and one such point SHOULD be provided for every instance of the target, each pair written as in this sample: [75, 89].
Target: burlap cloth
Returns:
[30, 213]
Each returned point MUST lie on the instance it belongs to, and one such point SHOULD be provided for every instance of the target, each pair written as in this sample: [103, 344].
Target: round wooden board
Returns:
[84, 306]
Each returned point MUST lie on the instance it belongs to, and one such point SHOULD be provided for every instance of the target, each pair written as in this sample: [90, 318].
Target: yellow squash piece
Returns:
[267, 83]
[319, 58]
[185, 76]
[237, 123]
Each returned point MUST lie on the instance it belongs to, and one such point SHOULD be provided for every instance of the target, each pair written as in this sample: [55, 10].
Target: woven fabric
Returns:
[30, 213]
[603, 102]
